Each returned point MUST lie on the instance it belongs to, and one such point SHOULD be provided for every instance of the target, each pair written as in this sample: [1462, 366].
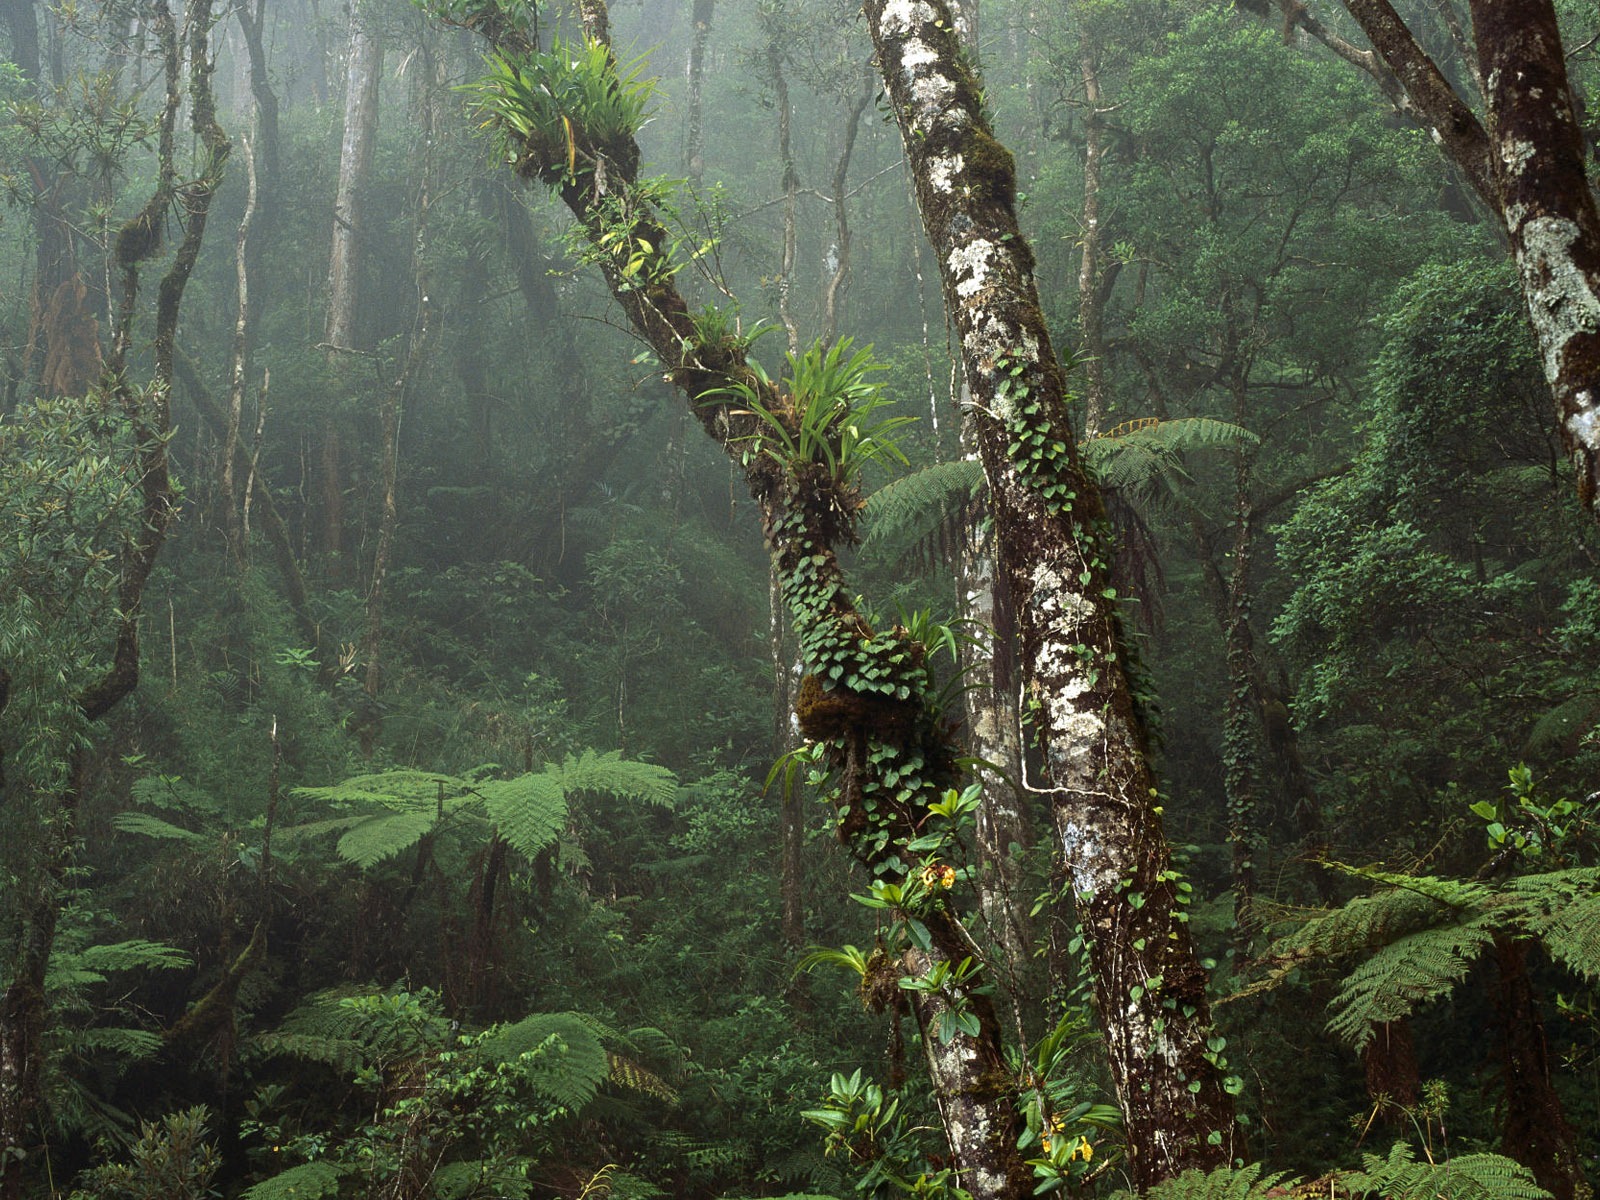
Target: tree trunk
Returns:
[1150, 987]
[694, 149]
[1549, 212]
[363, 71]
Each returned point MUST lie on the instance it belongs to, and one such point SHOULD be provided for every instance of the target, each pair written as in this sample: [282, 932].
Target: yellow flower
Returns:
[1082, 1150]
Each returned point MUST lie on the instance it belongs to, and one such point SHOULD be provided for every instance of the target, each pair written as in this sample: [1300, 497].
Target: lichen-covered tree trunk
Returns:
[1001, 828]
[1080, 704]
[1527, 166]
[1549, 212]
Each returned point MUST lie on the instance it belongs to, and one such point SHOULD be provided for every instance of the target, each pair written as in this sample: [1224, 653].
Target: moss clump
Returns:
[989, 169]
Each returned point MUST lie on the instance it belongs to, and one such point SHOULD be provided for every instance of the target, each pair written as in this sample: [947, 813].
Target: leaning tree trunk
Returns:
[1549, 212]
[1149, 985]
[868, 698]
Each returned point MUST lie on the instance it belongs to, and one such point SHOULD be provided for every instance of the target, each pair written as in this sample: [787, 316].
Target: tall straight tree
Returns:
[1149, 986]
[363, 71]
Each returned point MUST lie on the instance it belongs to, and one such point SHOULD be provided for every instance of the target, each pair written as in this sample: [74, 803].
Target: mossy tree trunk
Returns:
[867, 698]
[1150, 987]
[1526, 164]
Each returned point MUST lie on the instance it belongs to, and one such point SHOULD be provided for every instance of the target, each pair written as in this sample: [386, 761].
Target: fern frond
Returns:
[1225, 1183]
[381, 837]
[308, 1181]
[1562, 910]
[530, 811]
[914, 508]
[1400, 977]
[172, 792]
[1468, 1177]
[152, 827]
[612, 774]
[135, 1045]
[572, 1066]
[625, 1072]
[1144, 457]
[90, 965]
[1564, 724]
[390, 789]
[1368, 922]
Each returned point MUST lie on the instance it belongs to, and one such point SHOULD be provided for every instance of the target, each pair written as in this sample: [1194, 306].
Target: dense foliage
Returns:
[439, 849]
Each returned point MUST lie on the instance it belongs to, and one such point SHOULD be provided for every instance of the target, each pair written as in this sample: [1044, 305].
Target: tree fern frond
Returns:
[1226, 1183]
[390, 789]
[152, 827]
[1562, 910]
[913, 508]
[308, 1181]
[1144, 457]
[381, 837]
[611, 773]
[172, 792]
[90, 965]
[135, 1045]
[1563, 725]
[1405, 974]
[530, 811]
[625, 1072]
[573, 1064]
[1468, 1177]
[1368, 922]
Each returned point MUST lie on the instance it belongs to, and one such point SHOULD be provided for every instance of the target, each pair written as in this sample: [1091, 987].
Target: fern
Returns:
[921, 506]
[1406, 974]
[391, 789]
[573, 1063]
[1562, 910]
[1369, 922]
[77, 968]
[152, 827]
[612, 774]
[530, 811]
[379, 838]
[1225, 1183]
[308, 1181]
[1144, 457]
[1470, 1177]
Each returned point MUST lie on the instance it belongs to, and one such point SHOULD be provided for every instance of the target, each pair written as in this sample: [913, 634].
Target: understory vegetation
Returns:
[556, 641]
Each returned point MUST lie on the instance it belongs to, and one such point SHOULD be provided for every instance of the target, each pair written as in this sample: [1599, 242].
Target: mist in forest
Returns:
[933, 599]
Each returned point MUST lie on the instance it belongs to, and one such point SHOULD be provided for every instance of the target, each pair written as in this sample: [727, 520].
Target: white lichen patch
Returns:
[968, 265]
[1583, 426]
[1561, 299]
[942, 171]
[917, 53]
[1516, 155]
[902, 16]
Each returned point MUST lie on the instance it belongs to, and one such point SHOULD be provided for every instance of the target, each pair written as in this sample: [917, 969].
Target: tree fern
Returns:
[1226, 1183]
[570, 1063]
[152, 827]
[617, 776]
[378, 838]
[530, 811]
[77, 968]
[1400, 977]
[1468, 1177]
[1143, 458]
[308, 1181]
[1562, 910]
[1368, 922]
[922, 506]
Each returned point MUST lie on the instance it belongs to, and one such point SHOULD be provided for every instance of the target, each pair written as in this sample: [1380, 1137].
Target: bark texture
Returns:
[1549, 212]
[1150, 988]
